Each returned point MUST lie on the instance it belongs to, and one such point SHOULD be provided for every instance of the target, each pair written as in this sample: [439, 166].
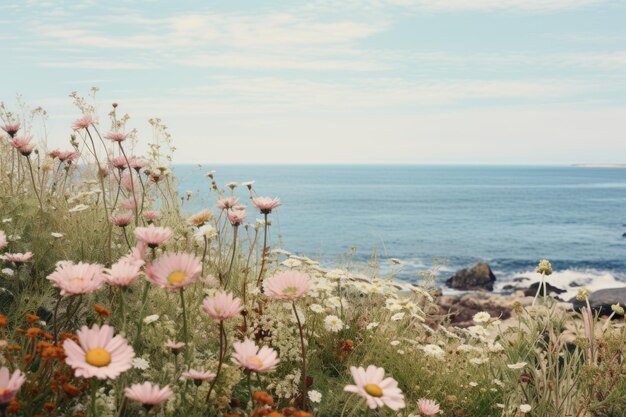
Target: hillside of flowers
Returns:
[115, 301]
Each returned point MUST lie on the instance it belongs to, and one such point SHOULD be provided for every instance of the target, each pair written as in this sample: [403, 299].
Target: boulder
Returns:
[601, 300]
[552, 290]
[478, 277]
[460, 309]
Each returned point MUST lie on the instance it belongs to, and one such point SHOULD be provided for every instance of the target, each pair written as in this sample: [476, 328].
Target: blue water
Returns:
[508, 216]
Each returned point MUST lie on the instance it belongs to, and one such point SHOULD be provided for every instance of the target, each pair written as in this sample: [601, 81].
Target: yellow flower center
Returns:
[373, 390]
[289, 291]
[98, 357]
[176, 277]
[3, 391]
[255, 360]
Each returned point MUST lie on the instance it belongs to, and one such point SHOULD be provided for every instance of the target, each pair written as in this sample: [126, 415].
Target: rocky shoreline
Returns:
[477, 287]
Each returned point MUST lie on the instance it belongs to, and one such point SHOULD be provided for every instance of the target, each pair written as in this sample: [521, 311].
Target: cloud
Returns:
[96, 63]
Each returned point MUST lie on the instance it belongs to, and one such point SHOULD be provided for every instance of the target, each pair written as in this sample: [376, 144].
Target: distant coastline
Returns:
[600, 165]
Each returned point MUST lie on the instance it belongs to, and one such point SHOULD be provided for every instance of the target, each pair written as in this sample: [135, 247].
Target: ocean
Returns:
[508, 216]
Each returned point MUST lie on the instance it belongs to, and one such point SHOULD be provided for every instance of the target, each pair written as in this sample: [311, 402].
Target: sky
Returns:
[334, 81]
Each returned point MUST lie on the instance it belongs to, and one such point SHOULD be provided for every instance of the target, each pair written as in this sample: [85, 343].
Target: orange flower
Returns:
[275, 414]
[101, 311]
[14, 347]
[71, 389]
[49, 406]
[32, 318]
[3, 320]
[232, 415]
[14, 406]
[263, 398]
[33, 332]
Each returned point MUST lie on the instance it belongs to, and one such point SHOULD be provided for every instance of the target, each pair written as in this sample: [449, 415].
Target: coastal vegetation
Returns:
[115, 301]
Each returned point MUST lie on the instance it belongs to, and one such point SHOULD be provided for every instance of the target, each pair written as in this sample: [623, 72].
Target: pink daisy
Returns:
[122, 220]
[174, 270]
[27, 149]
[123, 273]
[226, 203]
[151, 215]
[237, 217]
[99, 354]
[249, 356]
[23, 144]
[153, 236]
[3, 240]
[174, 346]
[81, 278]
[119, 162]
[138, 163]
[377, 390]
[199, 376]
[54, 153]
[82, 123]
[68, 156]
[428, 407]
[116, 136]
[10, 384]
[137, 254]
[287, 285]
[18, 258]
[266, 204]
[11, 128]
[129, 204]
[222, 306]
[148, 393]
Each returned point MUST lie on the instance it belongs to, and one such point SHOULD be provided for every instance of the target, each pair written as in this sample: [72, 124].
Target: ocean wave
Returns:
[569, 280]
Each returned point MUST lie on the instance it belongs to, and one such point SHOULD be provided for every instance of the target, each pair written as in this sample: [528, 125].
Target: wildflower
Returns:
[544, 267]
[99, 354]
[266, 204]
[11, 128]
[175, 347]
[397, 317]
[122, 220]
[10, 384]
[116, 136]
[518, 365]
[199, 376]
[232, 185]
[101, 311]
[56, 235]
[141, 364]
[291, 263]
[263, 398]
[119, 162]
[68, 156]
[205, 232]
[394, 342]
[481, 317]
[333, 323]
[222, 306]
[138, 163]
[153, 236]
[82, 123]
[18, 258]
[428, 407]
[148, 394]
[316, 308]
[81, 278]
[315, 396]
[249, 356]
[617, 309]
[174, 270]
[248, 184]
[78, 208]
[287, 285]
[525, 408]
[3, 320]
[123, 273]
[377, 390]
[227, 203]
[151, 215]
[433, 350]
[23, 145]
[237, 217]
[200, 218]
[583, 294]
[371, 326]
[150, 319]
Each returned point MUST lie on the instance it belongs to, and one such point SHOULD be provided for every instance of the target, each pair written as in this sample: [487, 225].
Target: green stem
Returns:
[144, 299]
[303, 353]
[94, 390]
[219, 363]
[123, 309]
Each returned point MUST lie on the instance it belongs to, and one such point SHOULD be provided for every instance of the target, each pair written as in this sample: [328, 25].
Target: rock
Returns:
[479, 277]
[532, 290]
[601, 300]
[461, 309]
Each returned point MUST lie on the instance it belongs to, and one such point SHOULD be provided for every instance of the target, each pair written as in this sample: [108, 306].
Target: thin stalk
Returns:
[259, 280]
[32, 177]
[303, 353]
[185, 334]
[221, 359]
[232, 259]
[132, 184]
[56, 315]
[144, 299]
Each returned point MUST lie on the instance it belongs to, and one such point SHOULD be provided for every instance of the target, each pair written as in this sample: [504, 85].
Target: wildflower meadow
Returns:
[116, 301]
